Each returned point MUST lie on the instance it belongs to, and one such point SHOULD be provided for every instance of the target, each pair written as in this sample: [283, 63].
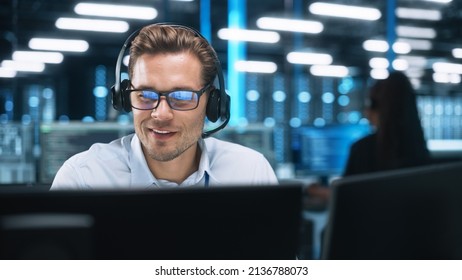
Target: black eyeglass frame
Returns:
[199, 93]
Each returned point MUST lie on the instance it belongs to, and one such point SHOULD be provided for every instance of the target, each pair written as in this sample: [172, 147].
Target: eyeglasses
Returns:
[181, 100]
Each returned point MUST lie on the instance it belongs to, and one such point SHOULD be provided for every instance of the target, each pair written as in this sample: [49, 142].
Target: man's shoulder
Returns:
[217, 145]
[104, 151]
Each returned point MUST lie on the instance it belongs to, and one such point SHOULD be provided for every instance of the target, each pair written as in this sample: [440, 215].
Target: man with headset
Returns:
[175, 82]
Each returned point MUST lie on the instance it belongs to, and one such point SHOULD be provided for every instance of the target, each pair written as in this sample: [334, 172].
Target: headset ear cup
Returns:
[116, 98]
[124, 87]
[213, 106]
[120, 98]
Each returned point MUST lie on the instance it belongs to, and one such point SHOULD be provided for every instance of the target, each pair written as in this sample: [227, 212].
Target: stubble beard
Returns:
[188, 139]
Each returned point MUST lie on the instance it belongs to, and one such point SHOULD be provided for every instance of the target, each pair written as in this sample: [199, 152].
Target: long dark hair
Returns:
[400, 138]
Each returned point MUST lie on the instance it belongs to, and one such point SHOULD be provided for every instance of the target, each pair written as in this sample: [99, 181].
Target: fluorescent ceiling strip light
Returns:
[345, 11]
[58, 45]
[446, 67]
[379, 62]
[401, 48]
[422, 14]
[117, 11]
[415, 32]
[329, 70]
[309, 58]
[375, 45]
[293, 25]
[415, 72]
[417, 44]
[46, 57]
[400, 64]
[457, 52]
[446, 78]
[21, 66]
[255, 66]
[415, 61]
[234, 34]
[7, 73]
[379, 74]
[97, 25]
[126, 60]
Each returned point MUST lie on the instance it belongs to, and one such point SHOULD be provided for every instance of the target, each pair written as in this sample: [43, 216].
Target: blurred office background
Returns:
[297, 72]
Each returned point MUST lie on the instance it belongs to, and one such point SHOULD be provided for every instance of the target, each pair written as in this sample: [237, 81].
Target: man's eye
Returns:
[183, 95]
[149, 94]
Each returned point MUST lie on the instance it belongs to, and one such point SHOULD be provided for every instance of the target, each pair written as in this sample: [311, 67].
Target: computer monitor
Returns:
[323, 151]
[59, 141]
[413, 213]
[230, 222]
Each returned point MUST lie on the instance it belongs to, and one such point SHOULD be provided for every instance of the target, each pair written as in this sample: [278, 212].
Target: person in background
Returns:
[397, 141]
[172, 74]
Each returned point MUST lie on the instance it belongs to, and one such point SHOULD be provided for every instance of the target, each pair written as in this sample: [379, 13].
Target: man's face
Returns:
[165, 133]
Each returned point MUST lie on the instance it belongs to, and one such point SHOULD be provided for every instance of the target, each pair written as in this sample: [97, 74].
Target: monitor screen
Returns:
[229, 222]
[324, 150]
[60, 141]
[412, 213]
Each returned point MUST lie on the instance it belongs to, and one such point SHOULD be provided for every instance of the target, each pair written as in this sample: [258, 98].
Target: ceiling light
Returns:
[415, 61]
[309, 58]
[375, 45]
[401, 47]
[447, 78]
[329, 70]
[346, 11]
[422, 14]
[234, 34]
[126, 60]
[400, 64]
[97, 25]
[415, 73]
[379, 62]
[416, 32]
[446, 67]
[417, 44]
[256, 66]
[7, 73]
[58, 45]
[118, 11]
[294, 25]
[379, 74]
[23, 66]
[46, 57]
[457, 52]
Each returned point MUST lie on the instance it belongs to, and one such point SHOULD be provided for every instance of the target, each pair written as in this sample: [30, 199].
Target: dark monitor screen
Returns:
[324, 150]
[235, 222]
[60, 141]
[412, 213]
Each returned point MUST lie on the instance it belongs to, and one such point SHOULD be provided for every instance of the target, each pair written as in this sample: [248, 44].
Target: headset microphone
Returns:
[218, 104]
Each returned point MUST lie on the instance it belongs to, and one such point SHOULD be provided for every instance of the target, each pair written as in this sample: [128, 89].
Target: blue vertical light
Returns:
[100, 92]
[205, 26]
[236, 51]
[391, 31]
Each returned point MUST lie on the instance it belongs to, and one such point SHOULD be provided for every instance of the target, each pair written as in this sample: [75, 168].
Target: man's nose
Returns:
[163, 110]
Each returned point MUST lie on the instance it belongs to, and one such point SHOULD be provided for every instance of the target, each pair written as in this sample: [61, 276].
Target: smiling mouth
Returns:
[160, 131]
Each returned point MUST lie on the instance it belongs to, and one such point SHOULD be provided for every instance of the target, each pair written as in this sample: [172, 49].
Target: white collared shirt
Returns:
[121, 164]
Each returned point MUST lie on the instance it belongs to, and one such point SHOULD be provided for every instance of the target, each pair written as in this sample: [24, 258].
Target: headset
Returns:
[218, 104]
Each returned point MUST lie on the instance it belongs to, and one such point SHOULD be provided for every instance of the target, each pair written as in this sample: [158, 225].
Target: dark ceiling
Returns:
[20, 20]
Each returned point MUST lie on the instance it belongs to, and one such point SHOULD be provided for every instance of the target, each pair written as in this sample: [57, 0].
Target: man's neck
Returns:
[178, 169]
